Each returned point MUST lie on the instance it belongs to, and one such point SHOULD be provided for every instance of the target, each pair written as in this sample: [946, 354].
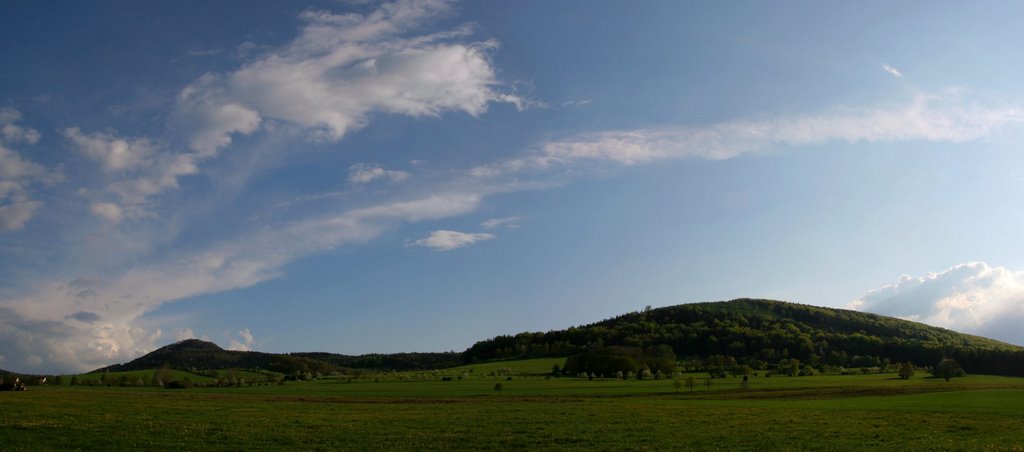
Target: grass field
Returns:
[818, 413]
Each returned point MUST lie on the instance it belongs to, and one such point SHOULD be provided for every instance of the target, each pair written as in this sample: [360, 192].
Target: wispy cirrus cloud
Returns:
[947, 117]
[927, 118]
[508, 222]
[47, 323]
[892, 71]
[364, 174]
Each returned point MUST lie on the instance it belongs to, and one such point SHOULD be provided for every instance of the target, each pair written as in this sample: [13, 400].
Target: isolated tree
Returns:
[691, 382]
[792, 367]
[678, 384]
[708, 383]
[498, 387]
[948, 368]
[742, 370]
[906, 370]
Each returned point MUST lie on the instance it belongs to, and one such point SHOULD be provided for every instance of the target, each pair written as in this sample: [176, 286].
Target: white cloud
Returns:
[16, 212]
[18, 174]
[972, 297]
[213, 119]
[339, 70]
[137, 168]
[114, 153]
[508, 222]
[891, 70]
[13, 133]
[70, 344]
[108, 211]
[576, 103]
[13, 167]
[47, 320]
[443, 240]
[246, 342]
[362, 174]
[328, 81]
[181, 334]
[937, 118]
[928, 118]
[9, 115]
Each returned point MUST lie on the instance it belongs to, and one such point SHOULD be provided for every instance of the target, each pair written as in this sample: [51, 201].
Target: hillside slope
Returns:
[762, 333]
[197, 354]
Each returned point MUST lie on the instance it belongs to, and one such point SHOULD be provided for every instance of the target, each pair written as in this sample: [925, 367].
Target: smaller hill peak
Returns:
[191, 344]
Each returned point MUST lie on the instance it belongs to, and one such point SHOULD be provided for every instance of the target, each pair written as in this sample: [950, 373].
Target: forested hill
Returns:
[198, 354]
[762, 333]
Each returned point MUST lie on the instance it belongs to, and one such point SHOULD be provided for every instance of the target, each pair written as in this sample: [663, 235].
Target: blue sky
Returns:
[361, 177]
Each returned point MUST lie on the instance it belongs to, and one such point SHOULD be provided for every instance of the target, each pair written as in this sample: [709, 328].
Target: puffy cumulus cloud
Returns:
[16, 211]
[137, 169]
[19, 175]
[362, 174]
[340, 69]
[113, 152]
[244, 342]
[181, 334]
[945, 117]
[972, 297]
[82, 342]
[108, 211]
[443, 240]
[13, 133]
[213, 120]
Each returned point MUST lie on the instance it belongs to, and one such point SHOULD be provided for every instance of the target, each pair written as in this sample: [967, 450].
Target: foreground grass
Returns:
[820, 413]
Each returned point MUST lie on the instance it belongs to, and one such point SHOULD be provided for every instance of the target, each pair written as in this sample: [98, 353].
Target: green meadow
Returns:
[417, 410]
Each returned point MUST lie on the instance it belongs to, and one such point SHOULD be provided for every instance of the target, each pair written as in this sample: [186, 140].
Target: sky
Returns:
[417, 175]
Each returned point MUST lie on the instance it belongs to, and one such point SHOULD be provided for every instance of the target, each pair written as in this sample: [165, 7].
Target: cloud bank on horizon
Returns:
[972, 297]
[105, 227]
